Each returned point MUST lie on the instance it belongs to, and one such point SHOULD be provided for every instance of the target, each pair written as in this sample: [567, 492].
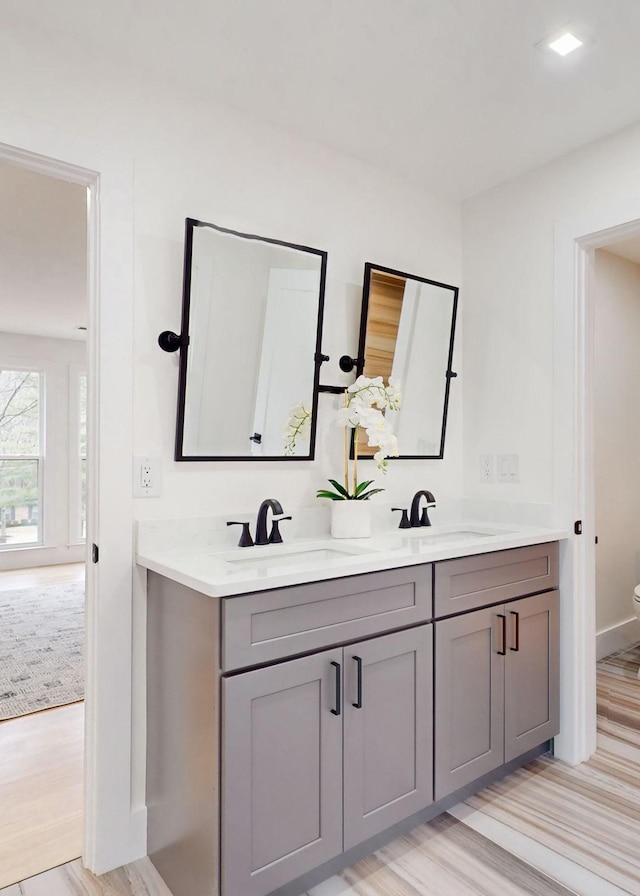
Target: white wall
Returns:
[194, 159]
[617, 435]
[508, 290]
[61, 360]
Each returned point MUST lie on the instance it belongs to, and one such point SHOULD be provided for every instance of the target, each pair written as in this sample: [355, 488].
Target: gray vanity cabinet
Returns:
[496, 687]
[290, 728]
[532, 673]
[388, 731]
[281, 773]
[295, 733]
[469, 700]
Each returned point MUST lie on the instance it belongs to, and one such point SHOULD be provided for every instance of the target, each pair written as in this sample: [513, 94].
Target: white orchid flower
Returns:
[297, 427]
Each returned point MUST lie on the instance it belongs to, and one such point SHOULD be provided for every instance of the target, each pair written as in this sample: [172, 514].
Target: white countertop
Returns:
[220, 572]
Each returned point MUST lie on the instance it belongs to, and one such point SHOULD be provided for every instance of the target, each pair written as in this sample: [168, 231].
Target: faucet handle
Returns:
[276, 537]
[404, 519]
[246, 541]
[424, 519]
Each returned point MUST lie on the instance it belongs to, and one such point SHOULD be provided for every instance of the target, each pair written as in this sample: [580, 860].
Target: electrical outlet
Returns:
[146, 477]
[487, 468]
[146, 480]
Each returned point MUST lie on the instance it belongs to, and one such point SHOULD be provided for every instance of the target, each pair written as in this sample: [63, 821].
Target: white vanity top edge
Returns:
[224, 573]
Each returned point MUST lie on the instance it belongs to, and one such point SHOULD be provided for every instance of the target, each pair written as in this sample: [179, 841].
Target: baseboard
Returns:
[617, 637]
[28, 556]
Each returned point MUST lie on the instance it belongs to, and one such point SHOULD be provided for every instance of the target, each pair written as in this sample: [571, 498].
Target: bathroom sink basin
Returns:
[300, 556]
[450, 534]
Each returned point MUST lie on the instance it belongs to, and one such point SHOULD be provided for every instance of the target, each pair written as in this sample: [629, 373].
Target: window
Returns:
[21, 457]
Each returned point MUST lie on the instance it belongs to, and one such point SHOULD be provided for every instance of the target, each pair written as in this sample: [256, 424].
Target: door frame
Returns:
[114, 829]
[576, 240]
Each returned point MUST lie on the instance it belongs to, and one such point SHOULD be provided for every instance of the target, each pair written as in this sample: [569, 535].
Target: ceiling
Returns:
[629, 249]
[43, 255]
[451, 94]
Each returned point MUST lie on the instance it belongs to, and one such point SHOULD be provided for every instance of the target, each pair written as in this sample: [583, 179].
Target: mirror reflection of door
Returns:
[288, 345]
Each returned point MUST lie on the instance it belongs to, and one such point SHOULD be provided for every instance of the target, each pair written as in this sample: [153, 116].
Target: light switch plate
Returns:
[508, 468]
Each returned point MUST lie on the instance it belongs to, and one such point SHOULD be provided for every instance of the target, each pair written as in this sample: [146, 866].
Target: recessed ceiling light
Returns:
[564, 44]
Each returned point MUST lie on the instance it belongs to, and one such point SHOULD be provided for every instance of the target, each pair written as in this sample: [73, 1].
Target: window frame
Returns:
[27, 367]
[76, 373]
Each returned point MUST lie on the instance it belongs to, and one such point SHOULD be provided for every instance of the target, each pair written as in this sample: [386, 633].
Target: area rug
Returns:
[41, 648]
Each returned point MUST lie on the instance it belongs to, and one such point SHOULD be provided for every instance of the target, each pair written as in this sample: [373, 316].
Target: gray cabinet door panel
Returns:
[388, 739]
[281, 774]
[469, 698]
[472, 582]
[270, 625]
[532, 711]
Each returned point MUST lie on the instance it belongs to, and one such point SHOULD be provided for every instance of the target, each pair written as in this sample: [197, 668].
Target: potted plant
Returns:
[364, 404]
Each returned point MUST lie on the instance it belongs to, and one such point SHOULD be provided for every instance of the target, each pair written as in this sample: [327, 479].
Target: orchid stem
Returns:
[355, 460]
[346, 446]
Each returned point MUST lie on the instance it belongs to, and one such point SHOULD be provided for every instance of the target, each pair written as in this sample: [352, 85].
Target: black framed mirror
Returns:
[250, 345]
[407, 330]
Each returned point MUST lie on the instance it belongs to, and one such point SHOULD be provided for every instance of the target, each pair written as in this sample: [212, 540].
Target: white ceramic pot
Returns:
[350, 519]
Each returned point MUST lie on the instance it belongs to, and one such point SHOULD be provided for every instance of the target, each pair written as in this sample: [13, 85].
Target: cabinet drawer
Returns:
[472, 582]
[269, 625]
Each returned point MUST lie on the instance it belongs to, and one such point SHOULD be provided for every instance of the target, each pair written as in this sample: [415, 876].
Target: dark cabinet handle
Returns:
[358, 703]
[503, 652]
[517, 615]
[338, 708]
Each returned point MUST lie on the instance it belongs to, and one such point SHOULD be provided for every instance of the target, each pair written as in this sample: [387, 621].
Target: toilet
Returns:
[636, 601]
[636, 608]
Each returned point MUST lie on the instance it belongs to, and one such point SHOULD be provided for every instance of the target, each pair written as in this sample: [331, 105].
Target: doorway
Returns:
[574, 493]
[43, 450]
[114, 828]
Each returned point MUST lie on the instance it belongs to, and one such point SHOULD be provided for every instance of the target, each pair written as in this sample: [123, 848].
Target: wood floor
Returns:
[41, 769]
[41, 575]
[546, 830]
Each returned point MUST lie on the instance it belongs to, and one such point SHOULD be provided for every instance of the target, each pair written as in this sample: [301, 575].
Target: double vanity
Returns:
[308, 701]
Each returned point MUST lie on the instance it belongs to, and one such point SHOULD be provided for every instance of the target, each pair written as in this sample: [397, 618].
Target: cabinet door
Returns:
[388, 763]
[281, 773]
[469, 697]
[532, 711]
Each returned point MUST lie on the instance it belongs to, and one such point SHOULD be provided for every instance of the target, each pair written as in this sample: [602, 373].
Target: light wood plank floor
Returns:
[41, 791]
[41, 769]
[41, 575]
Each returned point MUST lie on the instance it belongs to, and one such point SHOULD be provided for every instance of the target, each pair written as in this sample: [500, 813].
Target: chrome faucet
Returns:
[416, 519]
[261, 523]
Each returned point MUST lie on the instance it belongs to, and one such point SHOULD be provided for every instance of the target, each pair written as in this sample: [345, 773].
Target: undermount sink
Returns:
[277, 558]
[450, 534]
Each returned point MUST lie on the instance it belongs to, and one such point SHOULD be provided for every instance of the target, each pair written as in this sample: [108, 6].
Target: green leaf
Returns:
[362, 487]
[367, 495]
[333, 496]
[340, 488]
